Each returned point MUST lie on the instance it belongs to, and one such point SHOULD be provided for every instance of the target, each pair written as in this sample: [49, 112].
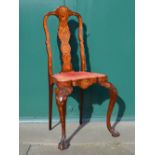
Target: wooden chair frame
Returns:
[65, 88]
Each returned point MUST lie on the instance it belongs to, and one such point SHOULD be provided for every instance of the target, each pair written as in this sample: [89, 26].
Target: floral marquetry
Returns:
[67, 79]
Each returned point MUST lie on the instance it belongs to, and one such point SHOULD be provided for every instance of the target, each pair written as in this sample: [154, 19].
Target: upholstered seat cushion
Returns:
[74, 76]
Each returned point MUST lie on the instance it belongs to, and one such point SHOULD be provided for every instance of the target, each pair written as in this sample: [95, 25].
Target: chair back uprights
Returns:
[64, 36]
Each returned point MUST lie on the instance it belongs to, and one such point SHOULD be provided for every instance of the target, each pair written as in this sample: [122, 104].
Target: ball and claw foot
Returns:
[63, 145]
[114, 133]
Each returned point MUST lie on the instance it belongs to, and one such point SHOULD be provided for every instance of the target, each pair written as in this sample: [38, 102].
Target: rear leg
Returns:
[50, 106]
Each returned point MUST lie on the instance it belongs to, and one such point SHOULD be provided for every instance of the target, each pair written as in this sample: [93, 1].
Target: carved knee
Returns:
[62, 93]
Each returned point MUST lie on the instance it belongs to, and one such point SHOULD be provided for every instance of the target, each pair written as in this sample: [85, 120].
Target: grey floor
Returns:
[90, 139]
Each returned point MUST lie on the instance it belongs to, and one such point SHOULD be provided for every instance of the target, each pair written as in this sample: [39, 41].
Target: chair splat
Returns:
[64, 37]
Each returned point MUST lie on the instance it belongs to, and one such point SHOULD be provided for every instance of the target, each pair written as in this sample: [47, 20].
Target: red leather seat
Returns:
[74, 76]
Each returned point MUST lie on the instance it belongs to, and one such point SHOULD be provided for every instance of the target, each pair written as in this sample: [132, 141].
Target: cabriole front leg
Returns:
[61, 98]
[113, 97]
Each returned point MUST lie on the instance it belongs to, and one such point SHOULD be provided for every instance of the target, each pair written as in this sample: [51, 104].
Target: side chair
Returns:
[68, 78]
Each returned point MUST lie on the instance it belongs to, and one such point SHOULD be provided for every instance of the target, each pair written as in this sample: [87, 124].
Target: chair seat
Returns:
[75, 76]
